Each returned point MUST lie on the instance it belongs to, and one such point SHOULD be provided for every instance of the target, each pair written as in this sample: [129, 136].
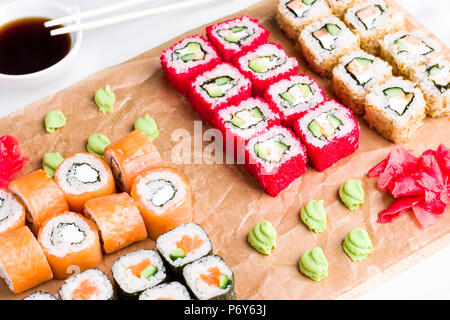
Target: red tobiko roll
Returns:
[264, 65]
[329, 133]
[11, 161]
[275, 158]
[186, 59]
[234, 36]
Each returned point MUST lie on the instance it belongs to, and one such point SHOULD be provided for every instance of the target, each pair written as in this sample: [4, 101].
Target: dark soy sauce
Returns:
[26, 46]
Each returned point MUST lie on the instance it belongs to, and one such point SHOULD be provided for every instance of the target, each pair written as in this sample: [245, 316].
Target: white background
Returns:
[108, 46]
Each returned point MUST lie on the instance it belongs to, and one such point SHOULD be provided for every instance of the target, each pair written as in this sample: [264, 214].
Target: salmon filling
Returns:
[189, 244]
[369, 15]
[412, 45]
[85, 291]
[143, 269]
[300, 8]
[213, 277]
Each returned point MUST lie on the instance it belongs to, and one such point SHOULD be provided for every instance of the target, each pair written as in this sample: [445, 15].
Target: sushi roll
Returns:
[329, 132]
[22, 263]
[434, 81]
[166, 291]
[372, 20]
[339, 7]
[164, 198]
[240, 122]
[355, 74]
[236, 35]
[136, 272]
[118, 221]
[186, 59]
[84, 176]
[209, 278]
[406, 51]
[214, 89]
[91, 284]
[130, 156]
[275, 158]
[40, 295]
[12, 213]
[41, 197]
[396, 109]
[265, 65]
[70, 243]
[324, 42]
[182, 245]
[293, 96]
[293, 15]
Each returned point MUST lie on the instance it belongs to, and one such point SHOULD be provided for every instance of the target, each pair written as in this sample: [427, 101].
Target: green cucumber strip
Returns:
[223, 281]
[177, 253]
[148, 272]
[393, 92]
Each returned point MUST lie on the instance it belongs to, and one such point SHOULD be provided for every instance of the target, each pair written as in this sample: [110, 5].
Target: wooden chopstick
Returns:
[118, 18]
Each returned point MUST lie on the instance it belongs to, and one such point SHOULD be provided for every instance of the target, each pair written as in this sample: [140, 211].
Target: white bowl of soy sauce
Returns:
[29, 56]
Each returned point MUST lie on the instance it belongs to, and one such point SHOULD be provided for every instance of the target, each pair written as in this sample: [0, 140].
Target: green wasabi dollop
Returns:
[263, 237]
[357, 244]
[50, 162]
[97, 143]
[53, 120]
[313, 214]
[105, 98]
[352, 194]
[313, 264]
[148, 126]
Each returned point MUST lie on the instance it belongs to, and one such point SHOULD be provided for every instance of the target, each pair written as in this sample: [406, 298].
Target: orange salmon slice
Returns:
[85, 291]
[137, 268]
[213, 276]
[189, 244]
[366, 12]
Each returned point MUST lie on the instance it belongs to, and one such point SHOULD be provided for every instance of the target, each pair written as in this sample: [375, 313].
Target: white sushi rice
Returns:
[67, 233]
[95, 276]
[40, 295]
[192, 275]
[127, 281]
[342, 113]
[282, 86]
[10, 210]
[81, 173]
[167, 242]
[183, 67]
[295, 147]
[171, 290]
[162, 186]
[268, 49]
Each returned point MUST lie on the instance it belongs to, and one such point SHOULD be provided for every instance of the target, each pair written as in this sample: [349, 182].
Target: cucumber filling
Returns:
[327, 36]
[193, 51]
[218, 87]
[82, 173]
[236, 34]
[440, 76]
[265, 63]
[272, 149]
[369, 15]
[148, 272]
[325, 127]
[300, 8]
[223, 281]
[398, 99]
[66, 233]
[247, 118]
[361, 70]
[160, 192]
[177, 253]
[412, 45]
[297, 94]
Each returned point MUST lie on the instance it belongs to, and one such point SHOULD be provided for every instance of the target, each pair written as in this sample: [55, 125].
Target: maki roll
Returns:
[265, 65]
[293, 15]
[186, 59]
[118, 221]
[275, 158]
[164, 198]
[406, 51]
[324, 42]
[234, 36]
[396, 109]
[434, 81]
[240, 122]
[184, 244]
[70, 243]
[372, 20]
[293, 96]
[91, 284]
[209, 278]
[41, 197]
[12, 213]
[329, 132]
[84, 176]
[22, 263]
[136, 272]
[166, 291]
[339, 7]
[355, 74]
[130, 156]
[40, 295]
[214, 89]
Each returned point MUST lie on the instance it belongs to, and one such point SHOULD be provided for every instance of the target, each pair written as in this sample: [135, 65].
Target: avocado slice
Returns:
[256, 113]
[433, 70]
[306, 89]
[308, 2]
[223, 281]
[177, 253]
[149, 272]
[188, 57]
[332, 29]
[258, 64]
[223, 80]
[281, 146]
[288, 97]
[336, 122]
[214, 92]
[194, 47]
[363, 61]
[393, 92]
[401, 45]
[237, 29]
[314, 128]
[233, 38]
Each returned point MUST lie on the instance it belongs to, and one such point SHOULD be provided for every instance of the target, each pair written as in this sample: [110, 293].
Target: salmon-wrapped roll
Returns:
[163, 196]
[12, 212]
[118, 220]
[84, 176]
[130, 156]
[70, 243]
[22, 262]
[41, 197]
